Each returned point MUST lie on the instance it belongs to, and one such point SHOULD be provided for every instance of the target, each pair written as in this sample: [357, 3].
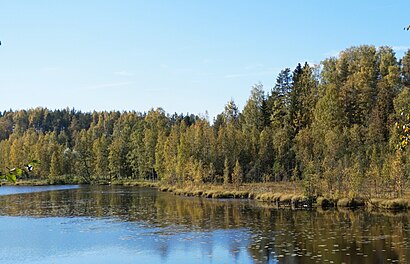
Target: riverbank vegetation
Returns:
[338, 129]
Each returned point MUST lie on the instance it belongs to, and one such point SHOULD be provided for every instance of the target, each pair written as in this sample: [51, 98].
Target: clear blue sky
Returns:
[185, 56]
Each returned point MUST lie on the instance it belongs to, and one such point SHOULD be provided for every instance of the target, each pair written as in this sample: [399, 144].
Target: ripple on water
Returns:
[206, 230]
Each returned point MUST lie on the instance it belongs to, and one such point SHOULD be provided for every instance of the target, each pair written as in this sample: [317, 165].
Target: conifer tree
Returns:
[226, 172]
[237, 175]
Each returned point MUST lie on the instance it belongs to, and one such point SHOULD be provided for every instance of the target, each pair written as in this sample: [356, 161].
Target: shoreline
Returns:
[280, 195]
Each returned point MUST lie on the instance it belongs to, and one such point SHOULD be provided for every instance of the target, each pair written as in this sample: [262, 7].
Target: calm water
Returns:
[114, 224]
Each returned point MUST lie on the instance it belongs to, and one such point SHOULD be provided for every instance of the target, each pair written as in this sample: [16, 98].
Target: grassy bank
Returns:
[278, 194]
[288, 195]
[29, 182]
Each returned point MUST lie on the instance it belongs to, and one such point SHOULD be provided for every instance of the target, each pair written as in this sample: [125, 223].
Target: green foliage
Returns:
[335, 127]
[405, 69]
[100, 153]
[237, 175]
[404, 131]
[11, 175]
[401, 105]
[226, 174]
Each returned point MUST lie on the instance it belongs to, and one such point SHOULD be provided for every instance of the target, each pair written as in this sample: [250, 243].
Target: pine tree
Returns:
[56, 165]
[171, 156]
[136, 155]
[100, 157]
[405, 71]
[227, 173]
[237, 175]
[231, 112]
[160, 166]
[83, 155]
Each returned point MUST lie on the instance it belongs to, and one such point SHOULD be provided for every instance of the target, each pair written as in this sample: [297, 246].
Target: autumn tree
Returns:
[237, 175]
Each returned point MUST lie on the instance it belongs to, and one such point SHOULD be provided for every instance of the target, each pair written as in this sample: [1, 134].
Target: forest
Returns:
[338, 128]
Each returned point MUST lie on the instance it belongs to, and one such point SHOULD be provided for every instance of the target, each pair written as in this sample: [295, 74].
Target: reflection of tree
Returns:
[289, 236]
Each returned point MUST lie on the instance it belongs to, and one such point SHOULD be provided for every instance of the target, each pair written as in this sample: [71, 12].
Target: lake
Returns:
[117, 224]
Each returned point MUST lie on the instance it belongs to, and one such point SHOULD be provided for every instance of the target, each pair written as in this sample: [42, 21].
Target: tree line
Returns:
[335, 127]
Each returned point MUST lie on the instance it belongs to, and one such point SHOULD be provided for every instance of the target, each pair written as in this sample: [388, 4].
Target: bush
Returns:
[325, 202]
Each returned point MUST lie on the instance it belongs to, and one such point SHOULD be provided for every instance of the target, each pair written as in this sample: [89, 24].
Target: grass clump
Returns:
[390, 204]
[396, 204]
[241, 194]
[33, 182]
[178, 191]
[197, 193]
[222, 195]
[285, 199]
[210, 194]
[300, 201]
[350, 202]
[269, 197]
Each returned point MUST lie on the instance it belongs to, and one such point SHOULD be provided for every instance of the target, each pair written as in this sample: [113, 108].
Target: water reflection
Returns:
[146, 226]
[7, 189]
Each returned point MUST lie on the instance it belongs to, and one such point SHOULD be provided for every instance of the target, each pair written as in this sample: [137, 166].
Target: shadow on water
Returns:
[257, 233]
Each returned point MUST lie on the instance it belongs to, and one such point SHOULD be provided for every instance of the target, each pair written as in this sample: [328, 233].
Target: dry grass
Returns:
[350, 202]
[390, 204]
[29, 182]
[288, 200]
[135, 183]
[343, 202]
[279, 194]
